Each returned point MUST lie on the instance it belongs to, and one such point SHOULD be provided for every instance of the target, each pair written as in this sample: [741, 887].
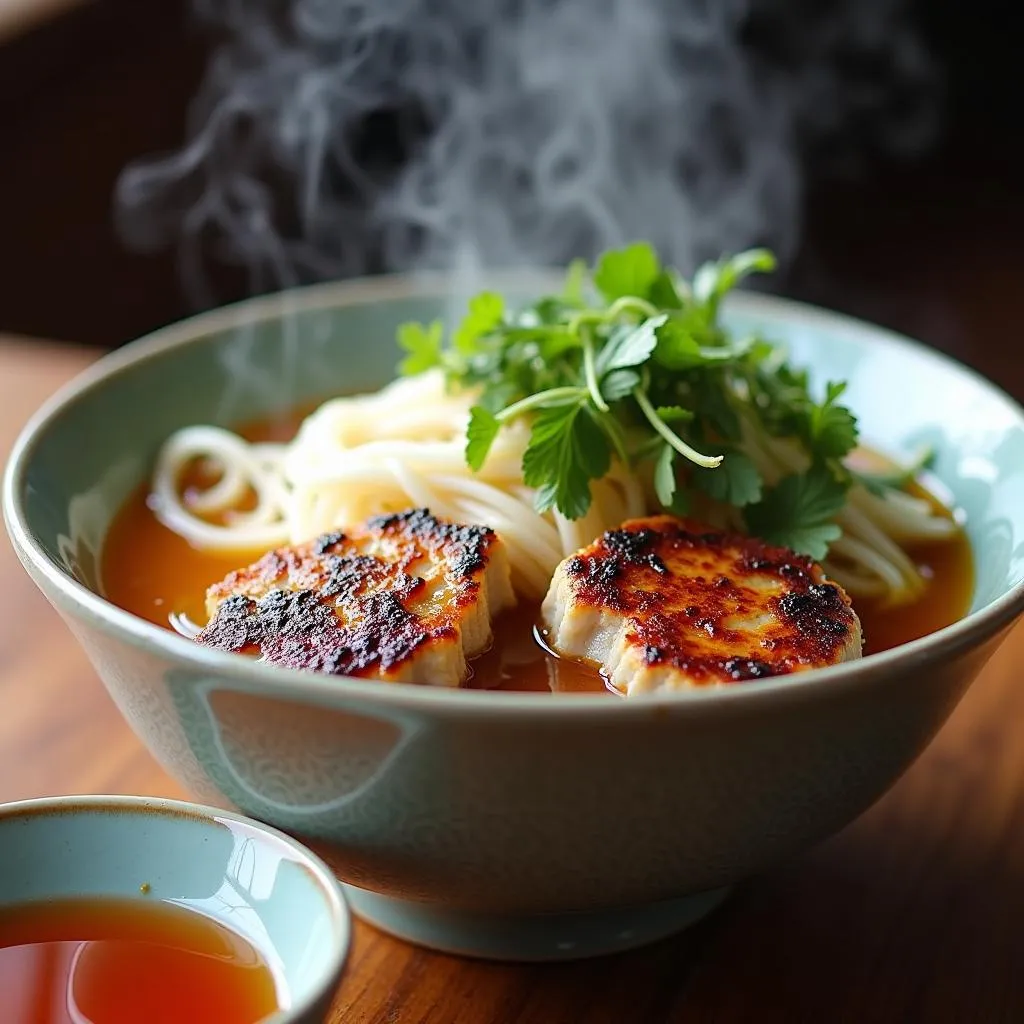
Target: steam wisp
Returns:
[336, 137]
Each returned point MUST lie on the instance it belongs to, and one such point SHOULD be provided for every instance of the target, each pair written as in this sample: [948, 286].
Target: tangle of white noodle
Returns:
[404, 445]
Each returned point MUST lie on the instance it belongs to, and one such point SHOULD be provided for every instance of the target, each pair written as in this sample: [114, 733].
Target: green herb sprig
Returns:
[633, 361]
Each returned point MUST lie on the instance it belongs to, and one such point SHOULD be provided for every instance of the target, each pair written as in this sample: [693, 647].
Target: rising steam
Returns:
[335, 137]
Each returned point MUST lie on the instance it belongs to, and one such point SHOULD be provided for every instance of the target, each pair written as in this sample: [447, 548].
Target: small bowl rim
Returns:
[166, 807]
[969, 632]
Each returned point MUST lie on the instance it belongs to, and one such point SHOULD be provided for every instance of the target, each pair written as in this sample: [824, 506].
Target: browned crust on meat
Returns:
[678, 618]
[326, 606]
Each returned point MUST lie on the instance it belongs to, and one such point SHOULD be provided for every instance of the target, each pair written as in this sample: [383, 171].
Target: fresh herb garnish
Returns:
[798, 512]
[486, 312]
[566, 451]
[423, 345]
[631, 361]
[736, 482]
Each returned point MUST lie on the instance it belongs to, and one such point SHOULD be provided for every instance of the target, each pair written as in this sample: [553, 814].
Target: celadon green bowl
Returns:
[254, 880]
[509, 825]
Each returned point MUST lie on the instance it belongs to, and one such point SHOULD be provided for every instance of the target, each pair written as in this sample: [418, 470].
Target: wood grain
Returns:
[911, 914]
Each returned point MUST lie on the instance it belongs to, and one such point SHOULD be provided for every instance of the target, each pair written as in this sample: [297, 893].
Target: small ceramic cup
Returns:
[250, 878]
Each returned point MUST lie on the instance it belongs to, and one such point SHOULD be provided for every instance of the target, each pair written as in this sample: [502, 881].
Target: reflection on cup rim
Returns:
[77, 1016]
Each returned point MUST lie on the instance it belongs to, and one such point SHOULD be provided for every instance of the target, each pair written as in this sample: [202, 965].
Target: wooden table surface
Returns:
[913, 913]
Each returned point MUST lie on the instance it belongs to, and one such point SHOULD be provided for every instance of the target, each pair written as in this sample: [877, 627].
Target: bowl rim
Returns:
[167, 808]
[61, 588]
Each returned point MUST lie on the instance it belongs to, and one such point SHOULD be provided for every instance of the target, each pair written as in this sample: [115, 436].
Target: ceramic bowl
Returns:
[252, 879]
[509, 825]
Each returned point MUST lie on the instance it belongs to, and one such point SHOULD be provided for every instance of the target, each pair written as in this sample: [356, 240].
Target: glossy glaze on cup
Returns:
[485, 808]
[253, 880]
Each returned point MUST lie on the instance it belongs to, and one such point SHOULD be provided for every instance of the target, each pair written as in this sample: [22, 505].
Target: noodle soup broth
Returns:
[173, 577]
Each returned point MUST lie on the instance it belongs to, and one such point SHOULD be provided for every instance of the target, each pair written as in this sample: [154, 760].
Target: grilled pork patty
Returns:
[665, 604]
[404, 598]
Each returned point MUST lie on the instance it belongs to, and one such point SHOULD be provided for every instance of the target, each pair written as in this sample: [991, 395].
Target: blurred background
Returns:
[927, 238]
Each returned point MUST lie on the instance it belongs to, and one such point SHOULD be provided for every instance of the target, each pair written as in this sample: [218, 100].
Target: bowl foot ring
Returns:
[548, 937]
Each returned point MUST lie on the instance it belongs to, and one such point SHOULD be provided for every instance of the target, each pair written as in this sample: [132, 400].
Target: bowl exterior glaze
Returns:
[529, 814]
[499, 807]
[252, 880]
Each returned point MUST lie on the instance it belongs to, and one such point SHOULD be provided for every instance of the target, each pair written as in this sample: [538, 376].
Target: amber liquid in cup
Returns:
[121, 961]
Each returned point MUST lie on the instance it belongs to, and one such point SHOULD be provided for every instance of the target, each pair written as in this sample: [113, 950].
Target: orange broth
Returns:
[121, 961]
[152, 572]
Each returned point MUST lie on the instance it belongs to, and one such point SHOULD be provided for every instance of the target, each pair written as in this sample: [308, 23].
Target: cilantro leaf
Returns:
[677, 348]
[548, 311]
[666, 291]
[737, 481]
[713, 280]
[550, 341]
[497, 395]
[567, 450]
[758, 350]
[575, 279]
[673, 498]
[423, 343]
[786, 408]
[665, 475]
[674, 414]
[686, 340]
[571, 360]
[480, 434]
[811, 539]
[714, 408]
[629, 271]
[629, 346]
[618, 384]
[486, 312]
[797, 513]
[832, 428]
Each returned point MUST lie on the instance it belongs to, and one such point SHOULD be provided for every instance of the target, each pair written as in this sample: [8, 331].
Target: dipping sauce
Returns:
[127, 961]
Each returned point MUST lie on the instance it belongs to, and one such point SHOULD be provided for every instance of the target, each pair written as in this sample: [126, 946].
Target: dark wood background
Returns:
[934, 248]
